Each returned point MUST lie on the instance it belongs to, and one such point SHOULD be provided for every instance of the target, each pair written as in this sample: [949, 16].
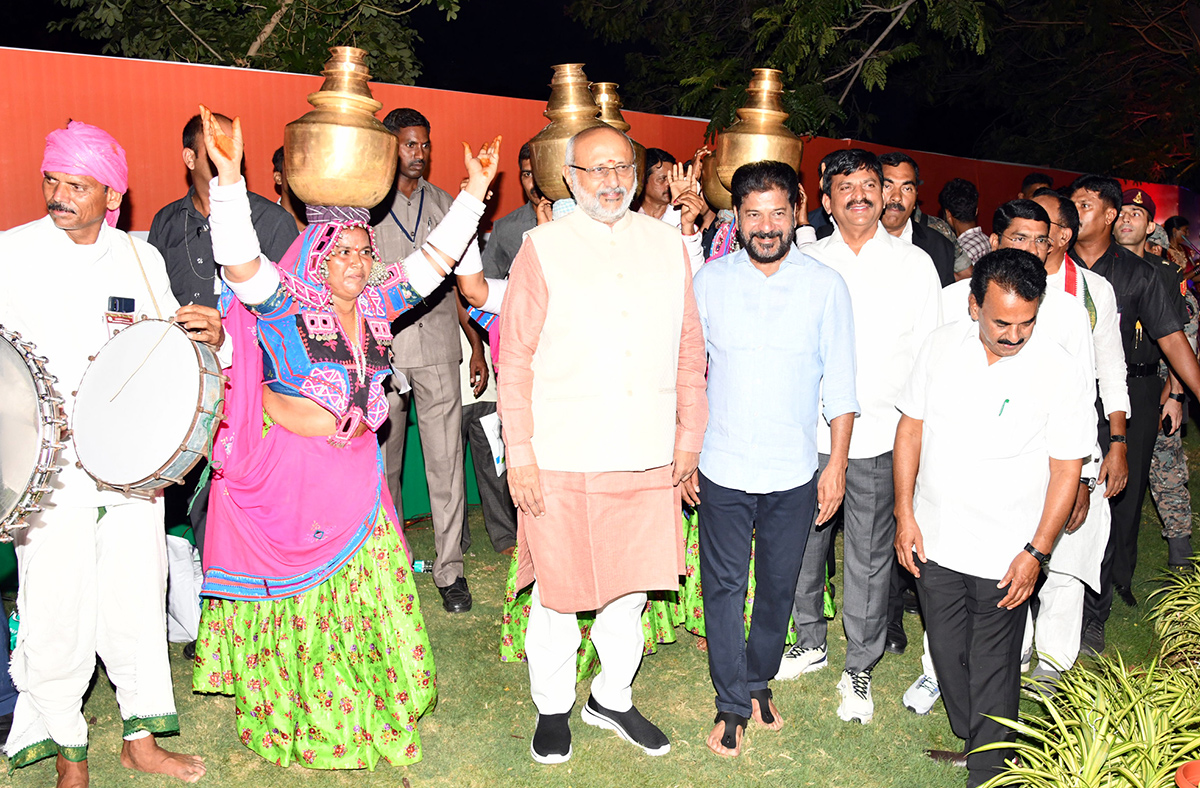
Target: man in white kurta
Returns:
[603, 406]
[92, 567]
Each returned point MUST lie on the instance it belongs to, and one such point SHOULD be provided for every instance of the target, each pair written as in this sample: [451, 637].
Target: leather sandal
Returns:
[732, 723]
[763, 696]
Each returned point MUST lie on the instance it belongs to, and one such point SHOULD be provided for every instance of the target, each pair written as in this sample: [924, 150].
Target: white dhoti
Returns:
[553, 638]
[89, 585]
[1074, 562]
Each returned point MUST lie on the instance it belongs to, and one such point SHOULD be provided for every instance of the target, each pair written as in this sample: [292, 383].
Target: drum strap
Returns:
[145, 278]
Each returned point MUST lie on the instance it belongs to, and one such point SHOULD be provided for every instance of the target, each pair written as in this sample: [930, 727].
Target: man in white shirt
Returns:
[895, 294]
[1023, 224]
[988, 456]
[93, 565]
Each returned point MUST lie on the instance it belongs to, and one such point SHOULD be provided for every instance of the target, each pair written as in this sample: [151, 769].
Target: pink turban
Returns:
[82, 149]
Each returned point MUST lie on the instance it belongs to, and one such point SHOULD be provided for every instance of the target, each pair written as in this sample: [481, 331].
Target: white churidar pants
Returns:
[89, 587]
[552, 639]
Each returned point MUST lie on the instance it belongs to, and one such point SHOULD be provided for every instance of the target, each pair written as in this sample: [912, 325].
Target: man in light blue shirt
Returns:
[779, 334]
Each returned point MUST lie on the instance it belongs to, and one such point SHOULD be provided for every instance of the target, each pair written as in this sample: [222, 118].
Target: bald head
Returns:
[582, 144]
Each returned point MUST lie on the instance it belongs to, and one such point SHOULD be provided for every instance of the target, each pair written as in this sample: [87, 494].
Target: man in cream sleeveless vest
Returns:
[603, 405]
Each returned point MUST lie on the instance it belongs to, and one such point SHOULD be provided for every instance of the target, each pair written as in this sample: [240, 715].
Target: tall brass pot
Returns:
[757, 135]
[339, 153]
[571, 109]
[609, 102]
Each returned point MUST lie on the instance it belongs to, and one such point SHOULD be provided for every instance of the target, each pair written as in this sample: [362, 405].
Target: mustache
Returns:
[894, 206]
[416, 163]
[58, 206]
[619, 191]
[862, 201]
[1010, 344]
[765, 234]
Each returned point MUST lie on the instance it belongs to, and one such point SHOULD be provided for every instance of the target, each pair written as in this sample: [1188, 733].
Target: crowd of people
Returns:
[691, 404]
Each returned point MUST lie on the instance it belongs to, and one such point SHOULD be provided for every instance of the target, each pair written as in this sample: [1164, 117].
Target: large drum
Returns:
[146, 408]
[31, 424]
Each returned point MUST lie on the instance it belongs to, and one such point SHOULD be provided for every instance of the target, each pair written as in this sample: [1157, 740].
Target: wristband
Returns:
[234, 240]
[1042, 558]
[1177, 397]
[1118, 439]
[1091, 483]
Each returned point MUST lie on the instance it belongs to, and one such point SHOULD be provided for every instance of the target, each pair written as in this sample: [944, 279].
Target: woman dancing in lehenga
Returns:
[311, 619]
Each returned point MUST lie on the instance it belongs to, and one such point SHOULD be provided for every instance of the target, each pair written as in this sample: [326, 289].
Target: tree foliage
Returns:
[1105, 86]
[695, 55]
[280, 35]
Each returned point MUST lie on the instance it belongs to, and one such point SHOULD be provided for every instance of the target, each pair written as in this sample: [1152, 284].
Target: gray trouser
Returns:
[870, 528]
[436, 389]
[499, 511]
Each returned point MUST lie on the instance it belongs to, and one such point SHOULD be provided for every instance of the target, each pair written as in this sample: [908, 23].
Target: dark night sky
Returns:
[507, 48]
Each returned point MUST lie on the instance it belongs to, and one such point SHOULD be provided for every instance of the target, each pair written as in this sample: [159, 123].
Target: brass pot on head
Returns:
[339, 153]
[571, 109]
[609, 102]
[716, 194]
[757, 135]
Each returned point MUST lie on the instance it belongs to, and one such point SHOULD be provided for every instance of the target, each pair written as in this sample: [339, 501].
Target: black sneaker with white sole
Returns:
[552, 739]
[629, 725]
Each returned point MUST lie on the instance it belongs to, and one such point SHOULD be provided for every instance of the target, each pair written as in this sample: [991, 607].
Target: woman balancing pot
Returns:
[312, 620]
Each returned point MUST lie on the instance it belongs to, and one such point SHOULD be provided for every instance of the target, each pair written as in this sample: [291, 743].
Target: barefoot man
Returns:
[93, 566]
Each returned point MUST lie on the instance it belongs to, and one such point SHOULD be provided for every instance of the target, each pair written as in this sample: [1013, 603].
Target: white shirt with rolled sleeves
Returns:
[896, 297]
[56, 292]
[988, 434]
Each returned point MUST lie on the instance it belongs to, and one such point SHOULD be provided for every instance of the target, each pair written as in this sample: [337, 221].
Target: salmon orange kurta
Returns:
[601, 379]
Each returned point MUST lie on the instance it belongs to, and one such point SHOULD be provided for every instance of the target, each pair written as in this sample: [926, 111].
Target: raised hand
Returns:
[481, 169]
[224, 151]
[680, 181]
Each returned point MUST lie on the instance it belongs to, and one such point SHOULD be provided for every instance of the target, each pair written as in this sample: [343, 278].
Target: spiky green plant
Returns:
[1108, 726]
[1176, 616]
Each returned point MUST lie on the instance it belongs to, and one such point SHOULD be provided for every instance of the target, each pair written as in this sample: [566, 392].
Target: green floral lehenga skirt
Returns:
[333, 678]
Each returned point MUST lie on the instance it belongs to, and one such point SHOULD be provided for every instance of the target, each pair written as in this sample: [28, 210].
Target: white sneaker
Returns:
[799, 659]
[1026, 659]
[920, 697]
[855, 689]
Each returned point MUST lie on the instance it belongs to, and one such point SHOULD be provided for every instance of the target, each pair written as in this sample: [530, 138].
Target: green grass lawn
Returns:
[479, 733]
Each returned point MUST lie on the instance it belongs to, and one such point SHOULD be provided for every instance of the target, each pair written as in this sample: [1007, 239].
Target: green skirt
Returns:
[333, 678]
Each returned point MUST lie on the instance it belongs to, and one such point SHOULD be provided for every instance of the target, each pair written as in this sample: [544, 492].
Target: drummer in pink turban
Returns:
[85, 178]
[92, 565]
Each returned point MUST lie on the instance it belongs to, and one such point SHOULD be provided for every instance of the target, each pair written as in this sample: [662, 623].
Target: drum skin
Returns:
[146, 408]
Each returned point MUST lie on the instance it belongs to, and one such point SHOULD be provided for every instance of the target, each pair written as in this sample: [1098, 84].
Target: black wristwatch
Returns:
[1177, 397]
[1118, 439]
[1042, 558]
[1091, 483]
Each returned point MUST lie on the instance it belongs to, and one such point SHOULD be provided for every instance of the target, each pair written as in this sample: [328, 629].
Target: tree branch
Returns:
[269, 29]
[193, 32]
[857, 65]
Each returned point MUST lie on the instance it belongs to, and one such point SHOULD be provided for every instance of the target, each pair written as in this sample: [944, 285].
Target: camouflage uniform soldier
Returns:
[1169, 470]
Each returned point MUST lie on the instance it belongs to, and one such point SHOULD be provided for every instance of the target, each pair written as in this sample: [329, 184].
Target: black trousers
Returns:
[976, 650]
[499, 511]
[780, 523]
[1120, 555]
